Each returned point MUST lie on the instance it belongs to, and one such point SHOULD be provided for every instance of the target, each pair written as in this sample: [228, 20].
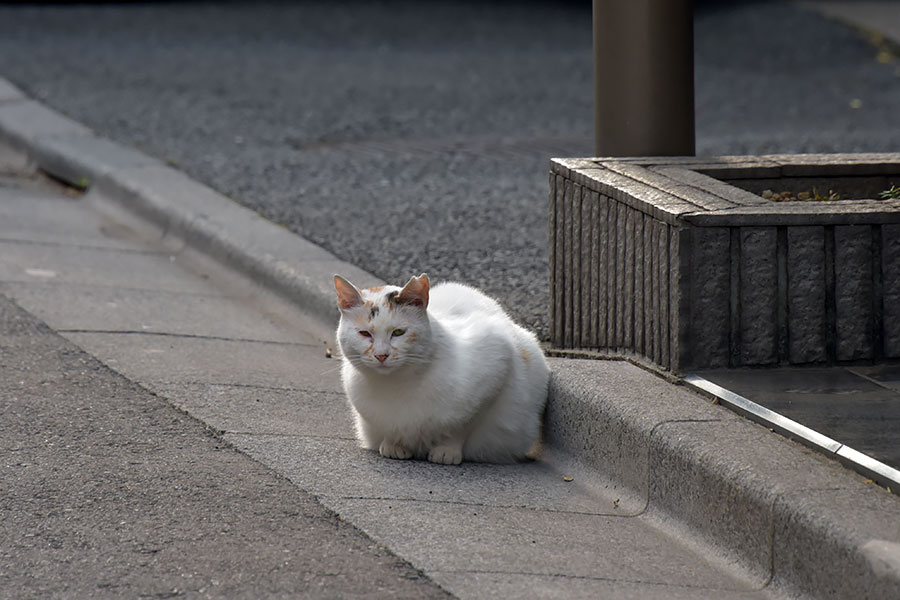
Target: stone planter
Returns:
[681, 262]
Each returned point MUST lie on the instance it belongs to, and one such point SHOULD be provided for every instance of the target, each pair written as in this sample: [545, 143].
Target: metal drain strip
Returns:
[863, 464]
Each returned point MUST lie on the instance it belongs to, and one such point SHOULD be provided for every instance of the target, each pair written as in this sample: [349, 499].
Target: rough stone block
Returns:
[853, 292]
[890, 269]
[667, 258]
[759, 294]
[710, 296]
[679, 297]
[806, 294]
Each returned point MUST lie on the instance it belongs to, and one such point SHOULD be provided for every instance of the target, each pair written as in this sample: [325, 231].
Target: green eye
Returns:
[397, 332]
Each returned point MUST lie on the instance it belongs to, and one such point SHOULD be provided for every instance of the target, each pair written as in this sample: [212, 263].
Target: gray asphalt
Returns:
[408, 136]
[110, 492]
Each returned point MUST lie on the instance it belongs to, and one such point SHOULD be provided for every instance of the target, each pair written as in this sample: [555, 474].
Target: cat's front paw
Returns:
[392, 450]
[445, 455]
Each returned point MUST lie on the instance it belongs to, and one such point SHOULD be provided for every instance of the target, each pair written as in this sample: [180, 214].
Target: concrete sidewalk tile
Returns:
[152, 359]
[469, 584]
[264, 411]
[606, 412]
[462, 537]
[26, 262]
[121, 309]
[722, 480]
[340, 469]
[840, 542]
[30, 212]
[14, 161]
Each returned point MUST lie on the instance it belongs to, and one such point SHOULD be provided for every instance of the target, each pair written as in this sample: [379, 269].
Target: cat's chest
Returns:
[415, 401]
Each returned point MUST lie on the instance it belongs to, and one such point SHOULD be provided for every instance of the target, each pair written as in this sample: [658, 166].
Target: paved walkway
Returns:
[114, 493]
[255, 371]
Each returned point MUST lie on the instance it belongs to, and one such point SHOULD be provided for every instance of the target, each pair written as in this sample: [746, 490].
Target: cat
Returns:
[441, 373]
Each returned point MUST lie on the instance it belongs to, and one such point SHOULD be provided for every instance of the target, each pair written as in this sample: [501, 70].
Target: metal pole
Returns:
[643, 77]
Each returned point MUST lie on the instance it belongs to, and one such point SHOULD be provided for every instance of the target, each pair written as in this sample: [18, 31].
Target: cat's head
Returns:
[384, 328]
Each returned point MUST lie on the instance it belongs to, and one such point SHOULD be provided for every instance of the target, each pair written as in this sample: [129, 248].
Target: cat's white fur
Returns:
[443, 373]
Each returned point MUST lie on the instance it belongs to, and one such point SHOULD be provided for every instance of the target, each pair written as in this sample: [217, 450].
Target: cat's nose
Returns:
[381, 357]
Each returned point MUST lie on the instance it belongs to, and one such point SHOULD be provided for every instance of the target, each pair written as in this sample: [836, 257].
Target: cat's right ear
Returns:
[348, 295]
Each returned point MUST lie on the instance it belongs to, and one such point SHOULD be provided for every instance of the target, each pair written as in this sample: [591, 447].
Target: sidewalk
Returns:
[110, 492]
[116, 494]
[671, 496]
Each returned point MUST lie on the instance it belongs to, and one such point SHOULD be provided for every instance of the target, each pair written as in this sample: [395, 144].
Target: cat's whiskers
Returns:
[331, 370]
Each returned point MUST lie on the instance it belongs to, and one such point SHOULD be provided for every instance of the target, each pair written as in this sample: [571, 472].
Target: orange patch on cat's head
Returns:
[525, 355]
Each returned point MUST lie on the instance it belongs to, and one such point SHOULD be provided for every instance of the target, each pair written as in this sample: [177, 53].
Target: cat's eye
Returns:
[365, 333]
[397, 332]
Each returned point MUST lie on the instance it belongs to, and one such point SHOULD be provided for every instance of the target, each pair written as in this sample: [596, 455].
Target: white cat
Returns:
[441, 373]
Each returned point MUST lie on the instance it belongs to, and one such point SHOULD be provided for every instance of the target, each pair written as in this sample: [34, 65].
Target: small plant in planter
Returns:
[891, 194]
[813, 196]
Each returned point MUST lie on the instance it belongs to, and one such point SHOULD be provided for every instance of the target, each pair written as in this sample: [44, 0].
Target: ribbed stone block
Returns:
[680, 262]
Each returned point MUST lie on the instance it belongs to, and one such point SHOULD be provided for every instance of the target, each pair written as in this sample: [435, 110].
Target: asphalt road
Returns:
[415, 136]
[110, 492]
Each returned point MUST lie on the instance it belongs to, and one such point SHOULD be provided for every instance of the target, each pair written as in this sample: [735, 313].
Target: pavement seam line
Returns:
[585, 578]
[494, 506]
[85, 247]
[192, 336]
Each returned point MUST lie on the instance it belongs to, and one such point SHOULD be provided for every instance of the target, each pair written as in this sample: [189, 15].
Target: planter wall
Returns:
[680, 261]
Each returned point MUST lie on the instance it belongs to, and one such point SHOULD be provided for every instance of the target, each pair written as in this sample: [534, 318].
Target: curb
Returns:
[209, 222]
[795, 522]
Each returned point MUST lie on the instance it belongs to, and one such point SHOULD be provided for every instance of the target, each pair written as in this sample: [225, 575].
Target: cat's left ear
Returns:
[415, 292]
